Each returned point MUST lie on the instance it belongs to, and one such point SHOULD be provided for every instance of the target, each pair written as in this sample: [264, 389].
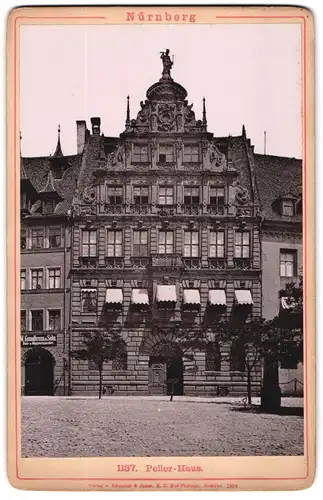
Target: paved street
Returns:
[139, 426]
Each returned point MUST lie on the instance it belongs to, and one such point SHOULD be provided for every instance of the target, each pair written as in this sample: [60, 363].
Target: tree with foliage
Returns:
[290, 321]
[288, 327]
[248, 343]
[99, 348]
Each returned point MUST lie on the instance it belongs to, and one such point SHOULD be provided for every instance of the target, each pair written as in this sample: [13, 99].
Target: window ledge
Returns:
[46, 250]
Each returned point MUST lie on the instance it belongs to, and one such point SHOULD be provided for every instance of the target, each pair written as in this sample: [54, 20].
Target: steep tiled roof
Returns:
[92, 152]
[37, 169]
[277, 176]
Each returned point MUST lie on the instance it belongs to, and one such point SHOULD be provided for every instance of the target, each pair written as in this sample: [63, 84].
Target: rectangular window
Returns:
[166, 242]
[37, 321]
[23, 239]
[216, 196]
[191, 153]
[191, 195]
[288, 263]
[140, 243]
[37, 238]
[89, 244]
[54, 320]
[114, 195]
[242, 245]
[140, 195]
[54, 237]
[140, 153]
[88, 300]
[23, 321]
[23, 279]
[37, 279]
[216, 246]
[288, 207]
[49, 207]
[114, 243]
[191, 244]
[166, 153]
[166, 195]
[54, 277]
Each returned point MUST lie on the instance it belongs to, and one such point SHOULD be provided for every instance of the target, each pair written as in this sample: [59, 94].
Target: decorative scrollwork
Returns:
[242, 196]
[89, 194]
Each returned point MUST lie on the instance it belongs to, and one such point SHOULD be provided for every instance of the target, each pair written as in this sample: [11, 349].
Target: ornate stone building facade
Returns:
[163, 232]
[166, 232]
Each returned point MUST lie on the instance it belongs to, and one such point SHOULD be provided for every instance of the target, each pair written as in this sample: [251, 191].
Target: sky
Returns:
[249, 74]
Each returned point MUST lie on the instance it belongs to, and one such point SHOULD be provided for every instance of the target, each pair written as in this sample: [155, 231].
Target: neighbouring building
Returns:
[279, 183]
[47, 186]
[159, 229]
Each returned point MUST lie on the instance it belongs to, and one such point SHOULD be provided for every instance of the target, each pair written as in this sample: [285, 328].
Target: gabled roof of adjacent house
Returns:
[37, 169]
[278, 177]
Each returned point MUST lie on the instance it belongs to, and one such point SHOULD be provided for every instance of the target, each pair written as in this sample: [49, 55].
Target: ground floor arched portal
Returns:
[165, 375]
[39, 372]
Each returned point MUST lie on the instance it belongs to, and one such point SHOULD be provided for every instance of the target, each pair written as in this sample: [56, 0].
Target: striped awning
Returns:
[191, 297]
[139, 296]
[166, 293]
[114, 296]
[217, 298]
[243, 297]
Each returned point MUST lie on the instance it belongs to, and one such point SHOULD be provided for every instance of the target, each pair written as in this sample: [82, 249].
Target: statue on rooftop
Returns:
[167, 65]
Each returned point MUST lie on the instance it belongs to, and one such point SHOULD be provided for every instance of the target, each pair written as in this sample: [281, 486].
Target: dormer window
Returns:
[288, 207]
[49, 207]
[58, 171]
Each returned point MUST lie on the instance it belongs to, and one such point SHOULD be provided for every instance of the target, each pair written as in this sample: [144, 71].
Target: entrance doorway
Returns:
[39, 373]
[164, 375]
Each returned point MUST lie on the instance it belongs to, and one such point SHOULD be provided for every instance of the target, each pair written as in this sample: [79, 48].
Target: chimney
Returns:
[96, 123]
[80, 135]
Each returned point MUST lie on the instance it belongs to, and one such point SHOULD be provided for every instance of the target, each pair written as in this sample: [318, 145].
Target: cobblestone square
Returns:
[154, 426]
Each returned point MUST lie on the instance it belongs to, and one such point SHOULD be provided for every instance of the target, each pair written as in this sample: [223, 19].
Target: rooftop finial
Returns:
[244, 134]
[167, 65]
[204, 113]
[58, 151]
[128, 111]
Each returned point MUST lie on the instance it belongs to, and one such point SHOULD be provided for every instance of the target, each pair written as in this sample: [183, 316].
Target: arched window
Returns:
[212, 357]
[120, 362]
[238, 356]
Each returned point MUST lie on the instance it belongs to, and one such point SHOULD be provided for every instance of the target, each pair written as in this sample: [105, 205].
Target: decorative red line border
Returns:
[17, 331]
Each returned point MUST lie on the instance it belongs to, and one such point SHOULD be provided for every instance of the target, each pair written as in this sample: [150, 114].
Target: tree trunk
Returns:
[172, 391]
[249, 385]
[100, 382]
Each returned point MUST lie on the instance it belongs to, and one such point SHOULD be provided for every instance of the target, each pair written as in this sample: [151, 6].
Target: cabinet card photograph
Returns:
[161, 186]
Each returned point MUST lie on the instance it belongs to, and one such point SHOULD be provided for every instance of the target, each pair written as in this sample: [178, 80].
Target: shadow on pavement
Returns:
[297, 411]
